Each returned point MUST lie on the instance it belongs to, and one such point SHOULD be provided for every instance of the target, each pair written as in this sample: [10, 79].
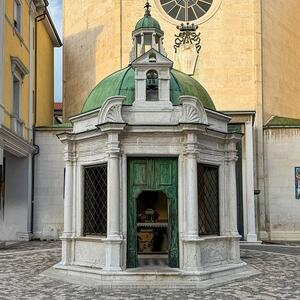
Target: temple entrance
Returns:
[152, 228]
[152, 234]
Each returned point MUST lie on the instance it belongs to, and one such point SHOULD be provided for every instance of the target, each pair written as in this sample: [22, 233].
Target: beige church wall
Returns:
[281, 58]
[97, 42]
[91, 31]
[284, 208]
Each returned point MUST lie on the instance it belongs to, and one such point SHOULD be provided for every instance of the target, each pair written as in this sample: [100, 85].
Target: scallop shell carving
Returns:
[111, 111]
[191, 114]
[114, 114]
[192, 111]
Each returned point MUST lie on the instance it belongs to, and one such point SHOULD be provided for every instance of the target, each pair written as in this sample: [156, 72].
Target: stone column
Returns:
[114, 241]
[113, 230]
[191, 250]
[191, 188]
[68, 234]
[153, 41]
[251, 234]
[142, 45]
[68, 201]
[231, 196]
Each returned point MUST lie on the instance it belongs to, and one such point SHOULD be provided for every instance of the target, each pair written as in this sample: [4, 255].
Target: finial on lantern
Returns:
[147, 9]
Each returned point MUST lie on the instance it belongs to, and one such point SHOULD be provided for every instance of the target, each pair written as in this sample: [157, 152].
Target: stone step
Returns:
[149, 277]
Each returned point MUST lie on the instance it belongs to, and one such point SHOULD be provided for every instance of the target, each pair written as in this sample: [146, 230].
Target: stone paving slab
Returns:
[21, 268]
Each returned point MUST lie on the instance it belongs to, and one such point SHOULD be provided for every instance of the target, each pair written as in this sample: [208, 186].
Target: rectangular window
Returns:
[17, 124]
[95, 200]
[208, 200]
[16, 96]
[17, 15]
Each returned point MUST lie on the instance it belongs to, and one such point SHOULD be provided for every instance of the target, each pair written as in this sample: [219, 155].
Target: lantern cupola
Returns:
[147, 35]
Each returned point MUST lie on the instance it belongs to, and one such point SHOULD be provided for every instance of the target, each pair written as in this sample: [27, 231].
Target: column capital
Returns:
[231, 156]
[70, 157]
[191, 143]
[190, 149]
[113, 149]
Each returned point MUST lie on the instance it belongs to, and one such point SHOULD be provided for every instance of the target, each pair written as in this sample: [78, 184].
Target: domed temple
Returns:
[150, 175]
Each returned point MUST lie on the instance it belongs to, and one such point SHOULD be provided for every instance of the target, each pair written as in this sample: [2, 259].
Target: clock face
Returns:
[186, 10]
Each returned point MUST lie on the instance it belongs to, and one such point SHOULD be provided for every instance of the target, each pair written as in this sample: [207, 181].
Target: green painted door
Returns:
[152, 174]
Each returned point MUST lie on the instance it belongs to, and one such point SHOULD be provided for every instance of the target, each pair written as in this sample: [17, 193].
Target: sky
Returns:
[55, 10]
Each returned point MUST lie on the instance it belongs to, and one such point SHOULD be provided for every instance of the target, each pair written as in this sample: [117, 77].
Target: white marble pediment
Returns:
[152, 57]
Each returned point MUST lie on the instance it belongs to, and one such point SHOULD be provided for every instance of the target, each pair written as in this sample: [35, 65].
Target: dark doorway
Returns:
[152, 228]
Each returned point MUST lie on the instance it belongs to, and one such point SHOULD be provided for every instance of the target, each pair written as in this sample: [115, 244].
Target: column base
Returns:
[67, 235]
[251, 238]
[191, 237]
[113, 254]
[67, 250]
[24, 236]
[264, 235]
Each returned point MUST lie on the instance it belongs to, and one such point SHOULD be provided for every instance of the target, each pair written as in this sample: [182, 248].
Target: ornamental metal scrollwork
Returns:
[187, 35]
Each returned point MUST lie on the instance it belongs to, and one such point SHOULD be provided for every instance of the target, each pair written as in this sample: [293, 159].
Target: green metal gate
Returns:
[152, 174]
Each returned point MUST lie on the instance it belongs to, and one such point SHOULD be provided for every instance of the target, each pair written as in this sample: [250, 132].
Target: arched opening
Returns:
[152, 86]
[152, 228]
[152, 58]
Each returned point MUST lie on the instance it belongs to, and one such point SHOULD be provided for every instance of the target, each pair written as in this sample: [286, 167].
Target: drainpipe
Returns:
[37, 19]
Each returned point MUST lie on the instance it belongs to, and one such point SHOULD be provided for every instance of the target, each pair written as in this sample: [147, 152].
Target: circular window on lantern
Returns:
[193, 11]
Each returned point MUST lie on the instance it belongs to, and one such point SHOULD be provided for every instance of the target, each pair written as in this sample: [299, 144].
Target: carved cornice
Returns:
[14, 143]
[111, 127]
[18, 66]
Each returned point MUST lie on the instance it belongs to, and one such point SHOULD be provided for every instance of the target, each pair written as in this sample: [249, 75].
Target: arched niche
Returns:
[152, 85]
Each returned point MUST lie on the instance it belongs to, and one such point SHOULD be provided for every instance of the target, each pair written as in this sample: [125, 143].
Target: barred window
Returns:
[95, 200]
[208, 200]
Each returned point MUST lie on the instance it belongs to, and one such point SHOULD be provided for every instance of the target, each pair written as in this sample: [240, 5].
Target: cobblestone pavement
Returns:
[22, 263]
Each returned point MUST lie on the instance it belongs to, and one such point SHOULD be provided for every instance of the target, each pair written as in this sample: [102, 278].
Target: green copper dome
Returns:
[147, 22]
[122, 83]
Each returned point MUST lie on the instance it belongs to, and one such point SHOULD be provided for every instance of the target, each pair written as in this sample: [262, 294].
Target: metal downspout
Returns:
[37, 19]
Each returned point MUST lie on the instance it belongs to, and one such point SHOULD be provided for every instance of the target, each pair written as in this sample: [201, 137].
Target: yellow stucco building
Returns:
[249, 64]
[27, 39]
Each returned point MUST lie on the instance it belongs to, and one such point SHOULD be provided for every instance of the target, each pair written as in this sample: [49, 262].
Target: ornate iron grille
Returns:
[95, 200]
[208, 199]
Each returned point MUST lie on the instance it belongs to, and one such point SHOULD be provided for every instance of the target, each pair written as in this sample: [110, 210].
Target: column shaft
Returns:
[68, 201]
[251, 234]
[113, 196]
[232, 197]
[191, 207]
